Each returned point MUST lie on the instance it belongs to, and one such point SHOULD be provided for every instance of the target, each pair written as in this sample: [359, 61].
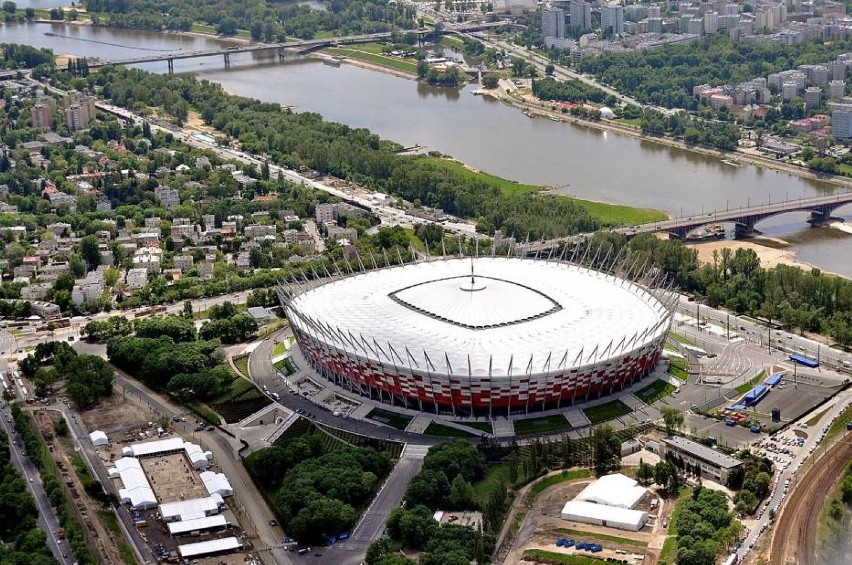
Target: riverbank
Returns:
[769, 256]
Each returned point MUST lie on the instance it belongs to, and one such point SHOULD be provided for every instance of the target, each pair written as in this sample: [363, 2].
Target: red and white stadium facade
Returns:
[484, 336]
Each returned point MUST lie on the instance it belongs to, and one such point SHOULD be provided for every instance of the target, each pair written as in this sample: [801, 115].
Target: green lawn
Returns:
[632, 122]
[608, 411]
[436, 429]
[495, 474]
[602, 537]
[453, 42]
[279, 349]
[482, 426]
[747, 386]
[681, 339]
[548, 482]
[840, 423]
[655, 391]
[359, 54]
[678, 369]
[542, 556]
[111, 523]
[285, 366]
[542, 424]
[393, 419]
[816, 417]
[241, 363]
[670, 545]
[616, 215]
[609, 214]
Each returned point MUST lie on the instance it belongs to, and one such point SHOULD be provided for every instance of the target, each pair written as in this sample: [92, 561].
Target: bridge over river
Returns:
[744, 219]
[303, 46]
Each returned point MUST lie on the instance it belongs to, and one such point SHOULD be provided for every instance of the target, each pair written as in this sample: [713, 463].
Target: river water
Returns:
[486, 134]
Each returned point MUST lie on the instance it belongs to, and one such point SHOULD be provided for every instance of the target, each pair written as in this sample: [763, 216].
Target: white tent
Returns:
[197, 525]
[207, 547]
[613, 490]
[136, 491]
[216, 483]
[603, 515]
[98, 438]
[183, 510]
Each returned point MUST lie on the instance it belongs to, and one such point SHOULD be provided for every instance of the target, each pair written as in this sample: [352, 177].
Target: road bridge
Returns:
[303, 46]
[744, 220]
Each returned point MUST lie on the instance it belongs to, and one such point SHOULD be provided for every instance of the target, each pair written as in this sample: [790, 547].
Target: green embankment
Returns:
[608, 411]
[608, 214]
[548, 482]
[655, 391]
[372, 53]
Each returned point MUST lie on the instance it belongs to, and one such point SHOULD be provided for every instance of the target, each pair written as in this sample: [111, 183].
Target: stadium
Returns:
[482, 336]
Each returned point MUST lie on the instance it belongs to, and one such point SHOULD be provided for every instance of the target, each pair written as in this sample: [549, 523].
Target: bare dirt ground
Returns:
[769, 256]
[794, 535]
[118, 412]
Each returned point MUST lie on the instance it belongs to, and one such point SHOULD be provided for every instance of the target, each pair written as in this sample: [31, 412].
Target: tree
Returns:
[645, 473]
[320, 518]
[549, 69]
[90, 252]
[673, 419]
[187, 309]
[607, 449]
[662, 471]
[461, 495]
[10, 7]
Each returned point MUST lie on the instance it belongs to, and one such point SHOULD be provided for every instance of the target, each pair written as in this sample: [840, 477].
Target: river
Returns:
[486, 134]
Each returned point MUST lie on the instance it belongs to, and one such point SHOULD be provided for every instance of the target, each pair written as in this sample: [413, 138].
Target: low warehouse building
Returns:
[603, 515]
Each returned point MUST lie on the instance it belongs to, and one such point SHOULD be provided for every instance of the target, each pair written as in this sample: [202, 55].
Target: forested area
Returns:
[802, 300]
[665, 77]
[87, 378]
[705, 527]
[717, 134]
[24, 543]
[305, 140]
[315, 494]
[15, 56]
[166, 355]
[751, 481]
[227, 324]
[266, 20]
[566, 90]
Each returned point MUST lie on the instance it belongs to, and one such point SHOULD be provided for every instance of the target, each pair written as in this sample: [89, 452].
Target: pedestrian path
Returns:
[503, 428]
[577, 418]
[419, 424]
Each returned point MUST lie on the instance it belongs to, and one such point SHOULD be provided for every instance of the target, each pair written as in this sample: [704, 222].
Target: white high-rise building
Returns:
[841, 121]
[711, 22]
[612, 19]
[553, 23]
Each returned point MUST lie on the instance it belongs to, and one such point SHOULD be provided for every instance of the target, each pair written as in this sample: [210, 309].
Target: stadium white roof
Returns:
[198, 524]
[216, 483]
[590, 513]
[530, 315]
[183, 510]
[136, 489]
[613, 490]
[207, 547]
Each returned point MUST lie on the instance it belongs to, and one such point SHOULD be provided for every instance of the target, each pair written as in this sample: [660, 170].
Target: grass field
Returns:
[452, 42]
[655, 391]
[543, 424]
[393, 419]
[368, 53]
[241, 400]
[670, 545]
[285, 366]
[609, 214]
[681, 339]
[608, 411]
[482, 426]
[111, 523]
[548, 482]
[816, 417]
[436, 429]
[602, 537]
[840, 423]
[279, 349]
[241, 363]
[678, 369]
[496, 474]
[750, 384]
[553, 558]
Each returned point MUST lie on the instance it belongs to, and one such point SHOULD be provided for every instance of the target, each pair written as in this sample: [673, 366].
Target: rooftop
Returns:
[702, 451]
[530, 315]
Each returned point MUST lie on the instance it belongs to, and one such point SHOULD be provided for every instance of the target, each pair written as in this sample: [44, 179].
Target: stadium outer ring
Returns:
[395, 382]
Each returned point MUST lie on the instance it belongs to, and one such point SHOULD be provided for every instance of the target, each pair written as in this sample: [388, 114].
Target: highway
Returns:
[47, 519]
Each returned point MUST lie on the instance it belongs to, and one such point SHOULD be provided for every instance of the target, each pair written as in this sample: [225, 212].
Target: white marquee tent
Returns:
[613, 490]
[603, 515]
[98, 438]
[136, 491]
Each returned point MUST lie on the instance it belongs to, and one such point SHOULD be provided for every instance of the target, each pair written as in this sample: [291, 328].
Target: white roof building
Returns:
[512, 312]
[603, 515]
[216, 483]
[208, 547]
[184, 510]
[98, 438]
[199, 458]
[613, 490]
[197, 525]
[136, 491]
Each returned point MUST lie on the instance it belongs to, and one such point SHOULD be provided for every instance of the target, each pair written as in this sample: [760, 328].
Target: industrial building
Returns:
[714, 464]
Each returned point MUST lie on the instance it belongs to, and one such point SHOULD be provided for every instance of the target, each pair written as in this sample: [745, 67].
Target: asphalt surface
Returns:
[47, 519]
